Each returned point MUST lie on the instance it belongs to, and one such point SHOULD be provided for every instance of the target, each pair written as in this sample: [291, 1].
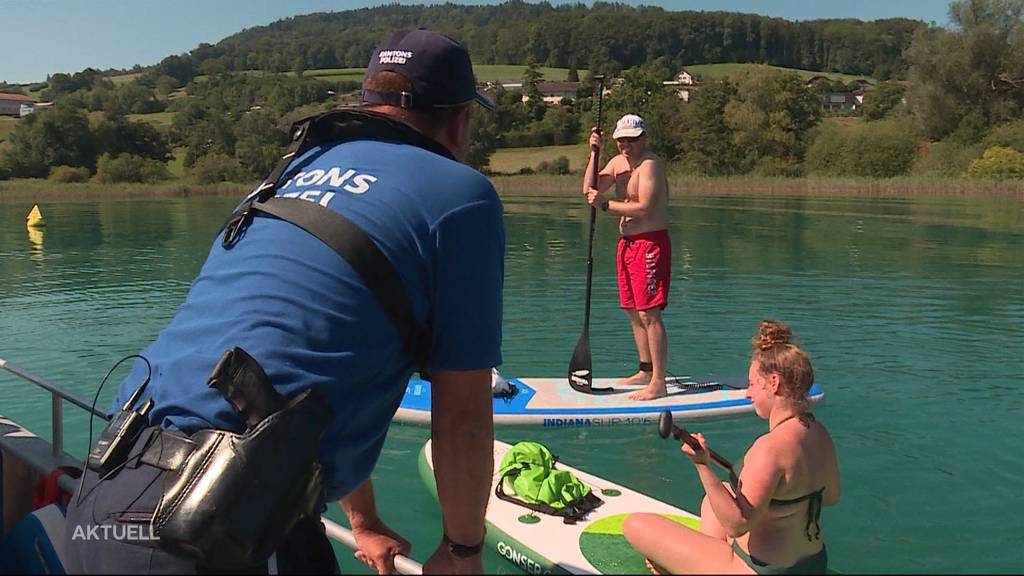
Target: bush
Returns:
[946, 158]
[69, 174]
[999, 162]
[1010, 135]
[128, 168]
[882, 149]
[218, 167]
[559, 165]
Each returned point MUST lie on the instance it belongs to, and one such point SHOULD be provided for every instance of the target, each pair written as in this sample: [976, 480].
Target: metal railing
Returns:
[58, 394]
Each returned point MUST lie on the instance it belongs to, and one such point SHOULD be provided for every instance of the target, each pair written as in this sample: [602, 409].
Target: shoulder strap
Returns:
[376, 272]
[359, 250]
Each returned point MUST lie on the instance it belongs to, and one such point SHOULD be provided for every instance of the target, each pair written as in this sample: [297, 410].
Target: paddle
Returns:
[667, 428]
[581, 377]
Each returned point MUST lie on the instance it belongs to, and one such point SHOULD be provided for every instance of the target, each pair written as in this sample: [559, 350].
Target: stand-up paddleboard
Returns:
[543, 544]
[550, 402]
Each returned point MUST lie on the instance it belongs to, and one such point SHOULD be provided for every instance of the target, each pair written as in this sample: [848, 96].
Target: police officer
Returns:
[303, 313]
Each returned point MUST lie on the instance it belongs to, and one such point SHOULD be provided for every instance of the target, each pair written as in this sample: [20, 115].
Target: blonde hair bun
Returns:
[771, 334]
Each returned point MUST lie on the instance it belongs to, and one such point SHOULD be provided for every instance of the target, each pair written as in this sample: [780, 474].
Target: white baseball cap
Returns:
[629, 126]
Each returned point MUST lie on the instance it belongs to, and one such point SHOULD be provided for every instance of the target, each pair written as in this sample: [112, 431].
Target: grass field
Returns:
[713, 71]
[511, 160]
[157, 119]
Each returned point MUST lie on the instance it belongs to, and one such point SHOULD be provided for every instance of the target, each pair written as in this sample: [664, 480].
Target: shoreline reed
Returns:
[545, 185]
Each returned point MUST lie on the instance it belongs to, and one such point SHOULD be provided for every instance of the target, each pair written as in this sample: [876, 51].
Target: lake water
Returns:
[912, 312]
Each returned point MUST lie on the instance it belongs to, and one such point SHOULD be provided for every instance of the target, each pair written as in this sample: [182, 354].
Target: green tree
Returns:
[978, 64]
[483, 139]
[769, 117]
[56, 137]
[707, 141]
[116, 135]
[259, 142]
[882, 100]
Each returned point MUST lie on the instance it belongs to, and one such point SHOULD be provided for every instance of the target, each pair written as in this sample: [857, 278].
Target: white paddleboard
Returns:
[551, 402]
[543, 544]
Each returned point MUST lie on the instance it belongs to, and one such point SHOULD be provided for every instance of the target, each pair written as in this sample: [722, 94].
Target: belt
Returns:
[166, 449]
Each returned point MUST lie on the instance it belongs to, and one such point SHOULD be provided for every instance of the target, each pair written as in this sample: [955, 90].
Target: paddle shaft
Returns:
[595, 155]
[682, 435]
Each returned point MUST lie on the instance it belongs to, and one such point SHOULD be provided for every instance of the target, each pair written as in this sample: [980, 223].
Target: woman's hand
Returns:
[594, 198]
[596, 138]
[699, 457]
[377, 546]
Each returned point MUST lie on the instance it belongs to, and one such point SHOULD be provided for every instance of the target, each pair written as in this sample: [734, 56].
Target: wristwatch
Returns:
[604, 205]
[463, 551]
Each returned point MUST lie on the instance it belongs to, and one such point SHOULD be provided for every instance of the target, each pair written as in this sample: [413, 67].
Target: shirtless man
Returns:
[644, 255]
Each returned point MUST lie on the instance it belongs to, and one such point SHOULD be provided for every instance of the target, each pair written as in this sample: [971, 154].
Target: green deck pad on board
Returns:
[604, 546]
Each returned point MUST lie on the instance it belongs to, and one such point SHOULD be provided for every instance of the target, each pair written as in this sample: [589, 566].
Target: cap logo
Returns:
[394, 56]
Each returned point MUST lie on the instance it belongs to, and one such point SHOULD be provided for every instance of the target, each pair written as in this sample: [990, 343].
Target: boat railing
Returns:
[29, 449]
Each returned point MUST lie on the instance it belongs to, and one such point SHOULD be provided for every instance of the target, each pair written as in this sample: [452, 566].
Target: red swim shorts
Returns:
[644, 263]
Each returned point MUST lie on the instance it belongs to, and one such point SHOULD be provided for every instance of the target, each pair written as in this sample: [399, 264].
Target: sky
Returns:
[41, 37]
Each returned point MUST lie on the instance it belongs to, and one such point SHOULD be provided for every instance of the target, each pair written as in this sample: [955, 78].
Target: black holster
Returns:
[237, 496]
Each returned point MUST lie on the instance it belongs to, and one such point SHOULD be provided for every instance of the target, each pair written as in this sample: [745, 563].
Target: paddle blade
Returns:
[580, 375]
[665, 424]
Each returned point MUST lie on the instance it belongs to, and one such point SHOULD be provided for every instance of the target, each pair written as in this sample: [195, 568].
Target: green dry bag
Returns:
[529, 478]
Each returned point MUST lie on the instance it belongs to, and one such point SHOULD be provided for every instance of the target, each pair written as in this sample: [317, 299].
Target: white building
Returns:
[684, 84]
[555, 92]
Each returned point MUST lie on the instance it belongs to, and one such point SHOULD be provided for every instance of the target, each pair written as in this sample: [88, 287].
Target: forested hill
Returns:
[605, 38]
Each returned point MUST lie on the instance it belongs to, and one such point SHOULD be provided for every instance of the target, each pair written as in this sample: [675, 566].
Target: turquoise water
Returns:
[912, 311]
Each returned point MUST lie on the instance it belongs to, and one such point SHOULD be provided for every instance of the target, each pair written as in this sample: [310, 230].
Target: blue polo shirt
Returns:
[300, 310]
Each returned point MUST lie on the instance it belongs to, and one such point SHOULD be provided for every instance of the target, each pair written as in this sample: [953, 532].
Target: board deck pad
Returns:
[550, 402]
[540, 543]
[604, 546]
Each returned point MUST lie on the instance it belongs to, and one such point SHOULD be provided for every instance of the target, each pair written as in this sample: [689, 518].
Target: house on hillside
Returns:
[840, 102]
[10, 103]
[555, 92]
[684, 83]
[684, 78]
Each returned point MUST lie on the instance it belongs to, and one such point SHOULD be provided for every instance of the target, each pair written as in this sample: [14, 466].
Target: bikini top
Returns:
[814, 498]
[813, 511]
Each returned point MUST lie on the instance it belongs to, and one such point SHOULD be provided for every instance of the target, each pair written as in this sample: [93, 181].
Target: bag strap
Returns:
[571, 513]
[342, 235]
[364, 256]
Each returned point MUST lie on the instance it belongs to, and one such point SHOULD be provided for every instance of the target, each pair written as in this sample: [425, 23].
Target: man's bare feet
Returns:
[655, 389]
[638, 379]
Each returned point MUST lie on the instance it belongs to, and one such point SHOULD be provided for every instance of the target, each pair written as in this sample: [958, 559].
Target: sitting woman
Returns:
[769, 522]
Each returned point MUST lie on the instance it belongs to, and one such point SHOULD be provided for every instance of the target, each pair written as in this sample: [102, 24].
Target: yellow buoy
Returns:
[35, 218]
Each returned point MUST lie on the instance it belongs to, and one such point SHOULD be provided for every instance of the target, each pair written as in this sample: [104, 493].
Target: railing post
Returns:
[57, 424]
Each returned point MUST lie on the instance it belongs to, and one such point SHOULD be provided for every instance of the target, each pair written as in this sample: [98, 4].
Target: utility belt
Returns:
[233, 497]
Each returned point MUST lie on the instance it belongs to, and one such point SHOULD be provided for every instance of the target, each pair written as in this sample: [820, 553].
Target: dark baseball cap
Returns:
[437, 66]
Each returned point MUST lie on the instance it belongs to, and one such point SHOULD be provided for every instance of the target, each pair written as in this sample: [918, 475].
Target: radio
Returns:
[111, 450]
